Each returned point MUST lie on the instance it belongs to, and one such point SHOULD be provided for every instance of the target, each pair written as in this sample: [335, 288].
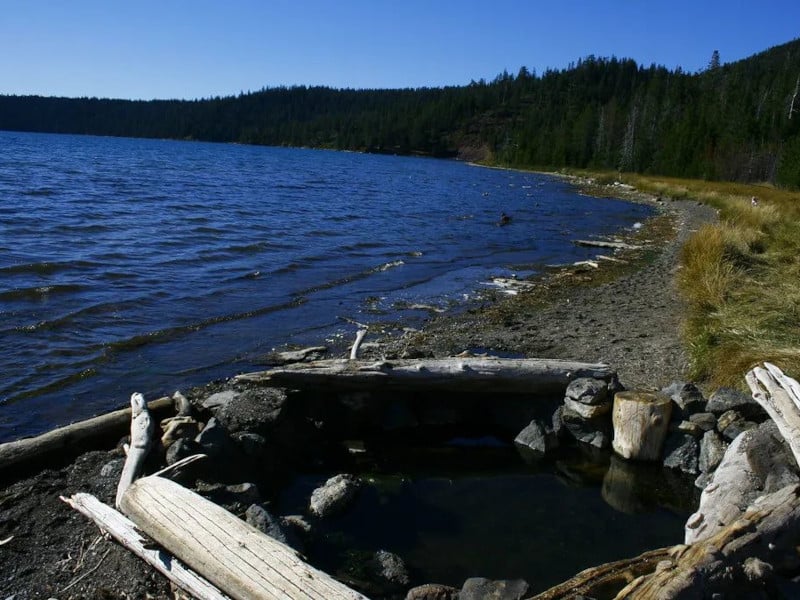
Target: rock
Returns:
[690, 428]
[478, 588]
[256, 410]
[712, 449]
[586, 390]
[432, 591]
[686, 395]
[390, 569]
[725, 399]
[252, 445]
[334, 495]
[595, 432]
[587, 411]
[705, 420]
[178, 428]
[558, 422]
[736, 428]
[297, 524]
[260, 518]
[682, 452]
[214, 439]
[703, 480]
[535, 438]
[180, 449]
[240, 493]
[216, 401]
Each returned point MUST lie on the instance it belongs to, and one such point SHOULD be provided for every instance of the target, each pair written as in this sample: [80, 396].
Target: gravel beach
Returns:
[625, 313]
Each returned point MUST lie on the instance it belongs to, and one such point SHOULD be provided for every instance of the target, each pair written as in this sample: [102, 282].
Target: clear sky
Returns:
[198, 48]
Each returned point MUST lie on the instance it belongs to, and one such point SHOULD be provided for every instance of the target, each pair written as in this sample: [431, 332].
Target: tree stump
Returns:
[640, 422]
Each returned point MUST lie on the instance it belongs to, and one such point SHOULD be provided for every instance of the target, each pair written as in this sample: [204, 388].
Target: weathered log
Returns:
[467, 374]
[738, 560]
[780, 397]
[605, 244]
[239, 559]
[142, 427]
[71, 439]
[640, 422]
[605, 580]
[124, 531]
[360, 334]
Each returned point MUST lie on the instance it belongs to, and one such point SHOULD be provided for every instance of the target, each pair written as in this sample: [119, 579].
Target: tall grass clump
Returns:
[739, 277]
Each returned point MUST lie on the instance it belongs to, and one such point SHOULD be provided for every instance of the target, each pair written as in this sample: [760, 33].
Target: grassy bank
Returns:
[740, 277]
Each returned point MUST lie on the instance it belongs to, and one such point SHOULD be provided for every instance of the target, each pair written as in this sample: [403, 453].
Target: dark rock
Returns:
[252, 445]
[534, 438]
[478, 588]
[690, 428]
[398, 415]
[682, 452]
[214, 439]
[705, 420]
[240, 493]
[595, 432]
[588, 391]
[334, 495]
[297, 524]
[180, 449]
[260, 518]
[390, 569]
[688, 398]
[736, 428]
[725, 399]
[712, 449]
[216, 401]
[432, 591]
[255, 410]
[559, 430]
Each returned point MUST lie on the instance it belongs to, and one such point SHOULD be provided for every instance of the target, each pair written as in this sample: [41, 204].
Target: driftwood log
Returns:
[640, 422]
[142, 427]
[780, 397]
[468, 374]
[124, 531]
[239, 559]
[70, 439]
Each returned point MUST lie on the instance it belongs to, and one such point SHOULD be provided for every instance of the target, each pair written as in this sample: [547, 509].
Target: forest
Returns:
[736, 122]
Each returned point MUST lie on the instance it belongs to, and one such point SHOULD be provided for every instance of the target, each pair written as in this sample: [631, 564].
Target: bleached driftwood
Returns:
[738, 561]
[780, 397]
[290, 356]
[142, 428]
[468, 374]
[71, 438]
[605, 244]
[357, 344]
[239, 559]
[640, 423]
[124, 531]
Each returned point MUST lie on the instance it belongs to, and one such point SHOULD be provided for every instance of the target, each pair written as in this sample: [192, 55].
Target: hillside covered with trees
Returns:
[738, 121]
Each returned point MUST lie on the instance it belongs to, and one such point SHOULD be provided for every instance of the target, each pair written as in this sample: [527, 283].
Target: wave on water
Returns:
[47, 268]
[39, 293]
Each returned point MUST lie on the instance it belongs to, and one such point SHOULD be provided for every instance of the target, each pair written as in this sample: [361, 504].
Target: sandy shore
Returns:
[624, 314]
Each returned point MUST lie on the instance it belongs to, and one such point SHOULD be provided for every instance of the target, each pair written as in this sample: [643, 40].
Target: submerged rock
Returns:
[432, 591]
[334, 495]
[479, 588]
[682, 452]
[390, 569]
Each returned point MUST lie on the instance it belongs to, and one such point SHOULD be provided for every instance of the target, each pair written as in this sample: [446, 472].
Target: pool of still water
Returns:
[454, 513]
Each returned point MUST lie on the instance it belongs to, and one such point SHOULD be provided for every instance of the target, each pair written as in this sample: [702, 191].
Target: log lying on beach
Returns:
[69, 440]
[124, 531]
[604, 244]
[468, 374]
[236, 557]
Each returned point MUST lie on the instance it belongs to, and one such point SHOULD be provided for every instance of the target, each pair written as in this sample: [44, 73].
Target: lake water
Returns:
[148, 265]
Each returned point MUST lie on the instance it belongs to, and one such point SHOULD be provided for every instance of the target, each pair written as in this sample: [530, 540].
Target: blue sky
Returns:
[197, 48]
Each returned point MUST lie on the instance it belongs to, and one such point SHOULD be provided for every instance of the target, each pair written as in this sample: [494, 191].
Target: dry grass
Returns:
[740, 278]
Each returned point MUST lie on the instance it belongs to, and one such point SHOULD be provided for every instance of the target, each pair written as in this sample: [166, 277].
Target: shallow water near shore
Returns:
[148, 265]
[457, 512]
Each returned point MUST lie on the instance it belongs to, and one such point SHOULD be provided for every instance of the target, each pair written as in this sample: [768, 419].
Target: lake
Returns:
[151, 265]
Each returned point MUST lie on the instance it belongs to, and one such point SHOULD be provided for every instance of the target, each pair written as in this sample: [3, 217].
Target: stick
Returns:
[142, 427]
[124, 531]
[357, 344]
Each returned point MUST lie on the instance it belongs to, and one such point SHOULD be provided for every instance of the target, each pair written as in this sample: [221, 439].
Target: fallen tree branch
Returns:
[124, 531]
[71, 438]
[357, 344]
